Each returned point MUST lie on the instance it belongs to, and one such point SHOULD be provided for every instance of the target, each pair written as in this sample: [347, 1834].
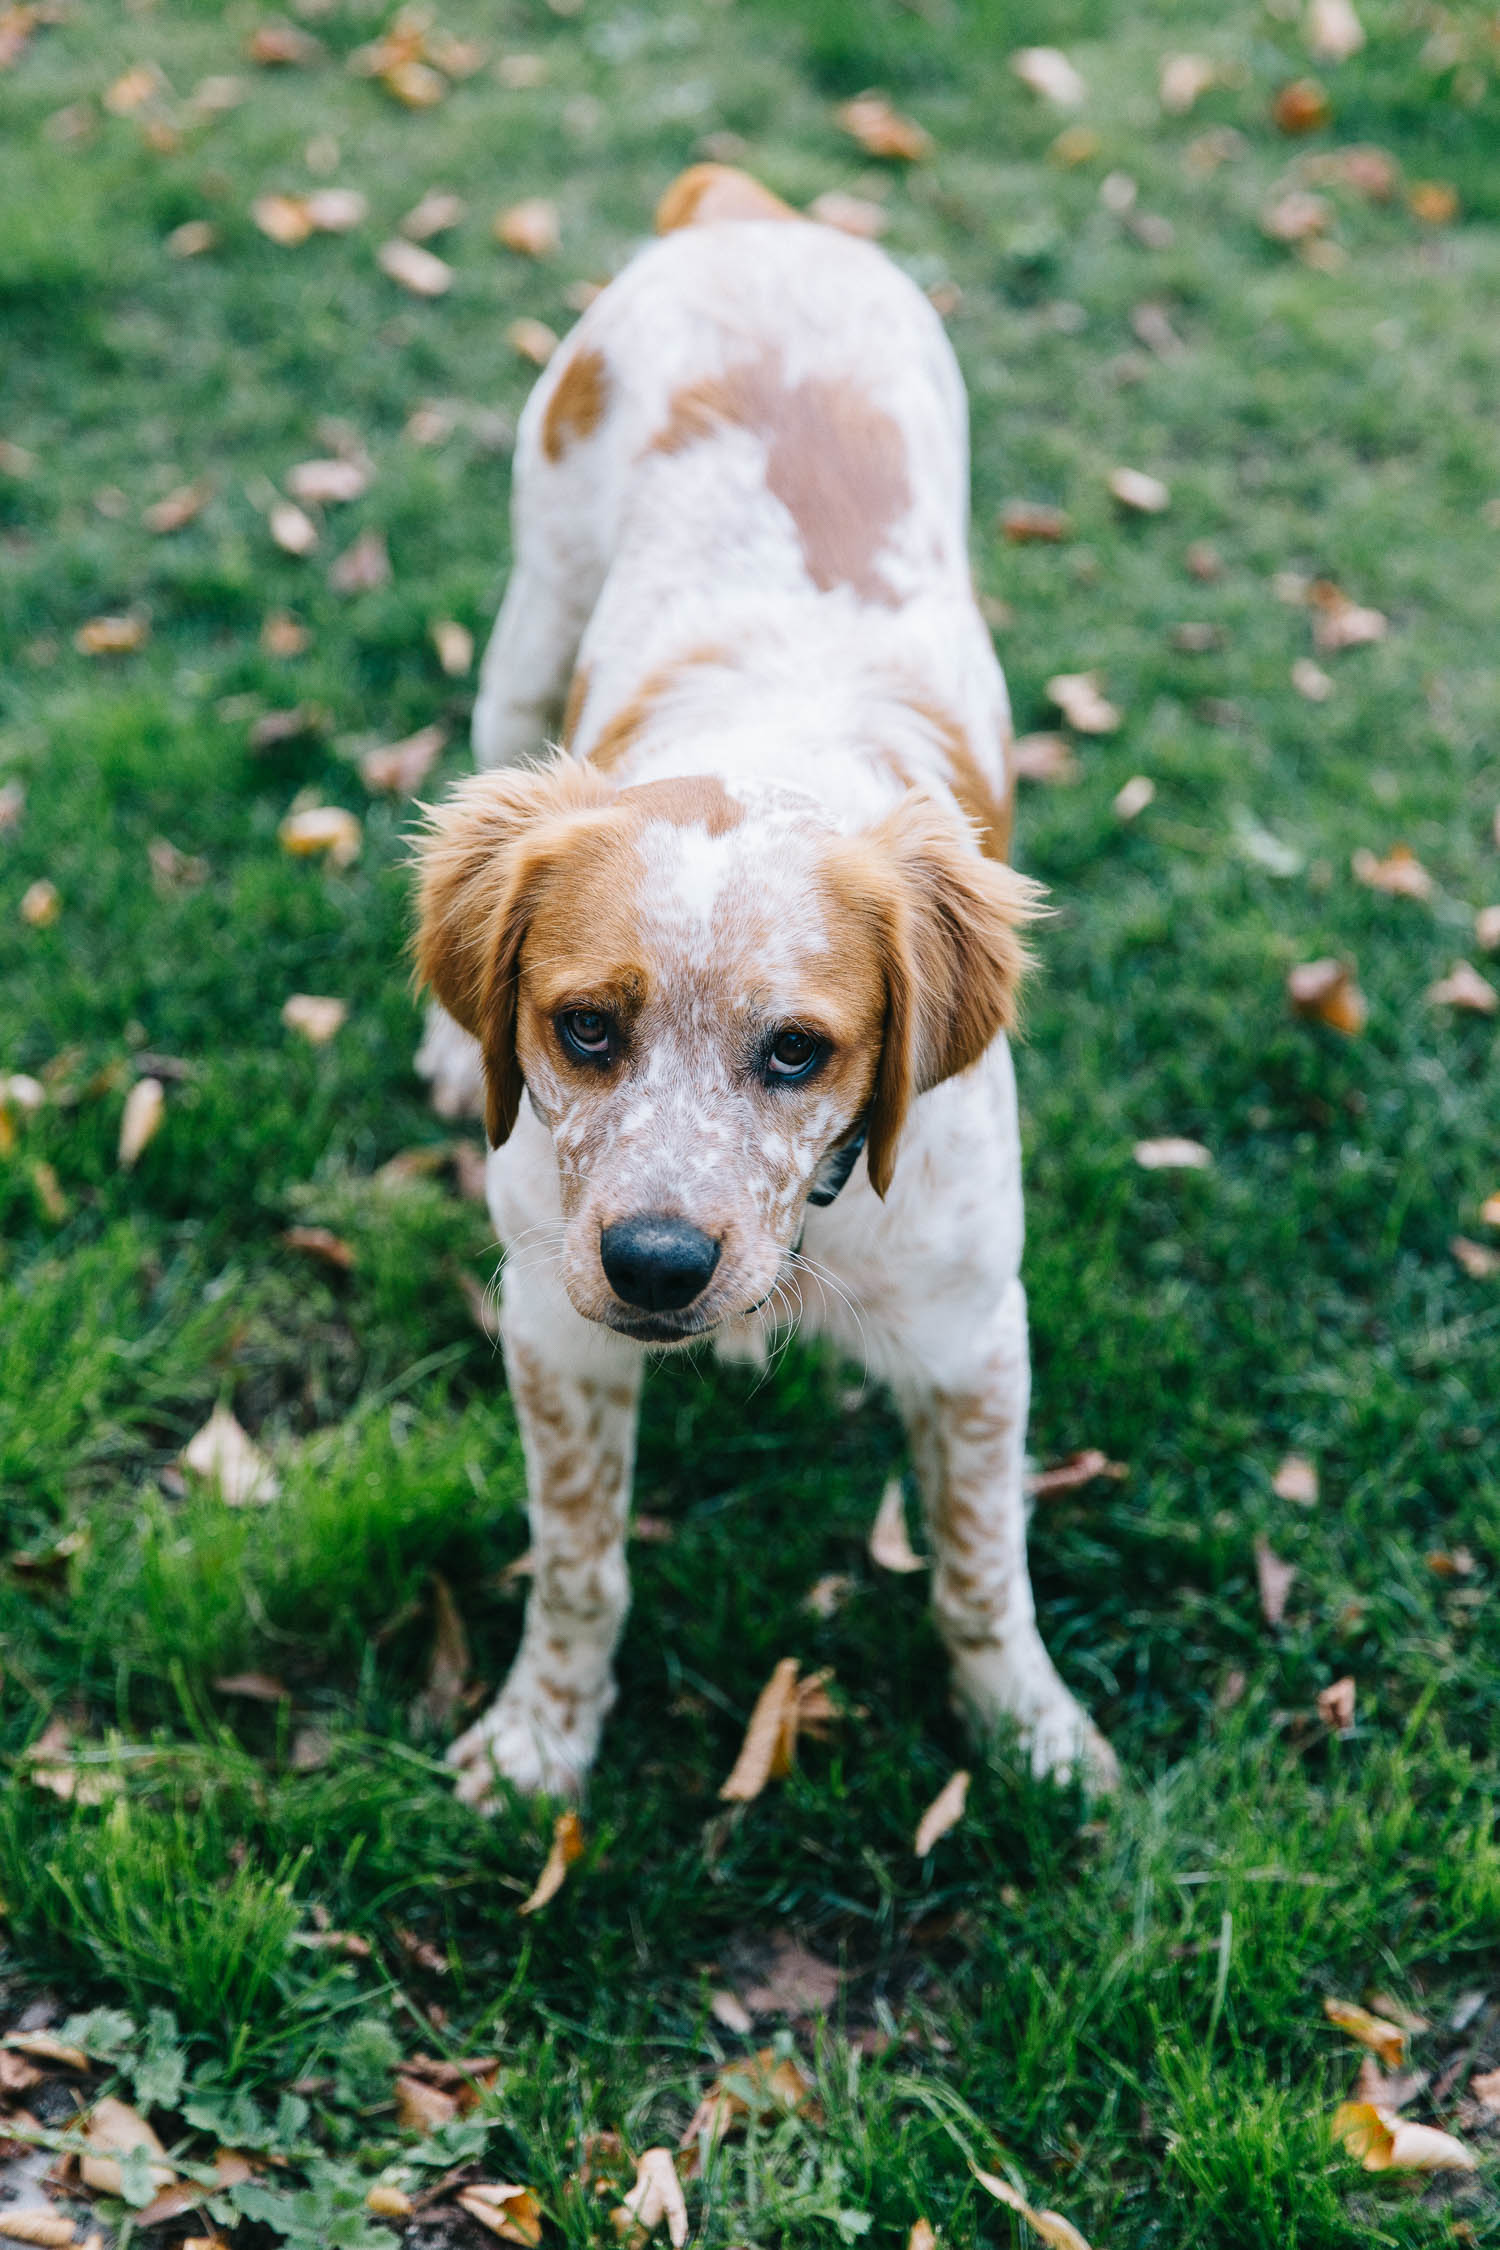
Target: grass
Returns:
[1120, 2007]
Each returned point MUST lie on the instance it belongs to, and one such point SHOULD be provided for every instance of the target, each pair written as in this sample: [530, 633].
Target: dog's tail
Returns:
[706, 193]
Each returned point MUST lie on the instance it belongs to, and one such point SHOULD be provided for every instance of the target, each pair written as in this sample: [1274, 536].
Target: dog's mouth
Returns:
[659, 1328]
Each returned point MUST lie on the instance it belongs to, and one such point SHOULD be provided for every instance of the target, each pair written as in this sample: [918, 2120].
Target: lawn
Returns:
[237, 1855]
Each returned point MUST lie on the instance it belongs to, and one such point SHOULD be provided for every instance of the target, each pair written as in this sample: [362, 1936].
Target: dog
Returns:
[733, 969]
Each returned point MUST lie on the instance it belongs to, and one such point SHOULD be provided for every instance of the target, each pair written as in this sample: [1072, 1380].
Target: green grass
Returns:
[1120, 2006]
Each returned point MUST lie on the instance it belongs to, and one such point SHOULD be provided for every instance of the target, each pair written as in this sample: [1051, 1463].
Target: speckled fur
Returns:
[784, 801]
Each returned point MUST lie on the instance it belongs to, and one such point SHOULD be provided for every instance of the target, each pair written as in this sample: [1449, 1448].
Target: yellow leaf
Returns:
[41, 2225]
[388, 2202]
[656, 2197]
[764, 1737]
[1324, 991]
[416, 84]
[1080, 699]
[455, 646]
[134, 89]
[112, 636]
[889, 1546]
[1400, 874]
[41, 903]
[322, 828]
[416, 269]
[511, 2212]
[145, 1109]
[1384, 2142]
[921, 2236]
[530, 228]
[1050, 2225]
[533, 339]
[1387, 2040]
[945, 1812]
[567, 1846]
[883, 131]
[45, 2046]
[284, 219]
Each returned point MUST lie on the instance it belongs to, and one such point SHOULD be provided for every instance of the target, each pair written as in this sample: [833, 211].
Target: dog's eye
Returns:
[587, 1032]
[791, 1055]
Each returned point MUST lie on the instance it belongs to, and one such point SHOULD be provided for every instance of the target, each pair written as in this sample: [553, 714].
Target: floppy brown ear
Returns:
[950, 925]
[479, 861]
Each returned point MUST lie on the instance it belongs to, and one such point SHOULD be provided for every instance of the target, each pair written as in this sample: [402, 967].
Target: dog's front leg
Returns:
[575, 1400]
[968, 1446]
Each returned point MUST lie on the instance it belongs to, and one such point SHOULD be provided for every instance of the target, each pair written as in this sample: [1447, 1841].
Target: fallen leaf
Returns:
[728, 2009]
[1043, 757]
[283, 219]
[1131, 800]
[1025, 521]
[1083, 1467]
[362, 567]
[336, 210]
[1080, 698]
[45, 2046]
[312, 1750]
[1486, 926]
[465, 2075]
[921, 2236]
[255, 1687]
[1489, 1210]
[849, 214]
[435, 214]
[389, 2202]
[1336, 1709]
[1182, 79]
[1310, 680]
[277, 44]
[1433, 202]
[39, 2224]
[1172, 1155]
[41, 903]
[448, 1666]
[764, 2085]
[113, 2129]
[1334, 31]
[416, 85]
[418, 270]
[455, 646]
[421, 2108]
[315, 1016]
[177, 508]
[1296, 1480]
[1324, 991]
[275, 727]
[511, 2212]
[654, 2200]
[424, 1955]
[1464, 987]
[882, 131]
[533, 339]
[1387, 2040]
[322, 484]
[798, 1982]
[1301, 107]
[1340, 622]
[1485, 2088]
[135, 89]
[1048, 72]
[827, 1595]
[1479, 1262]
[1458, 1562]
[945, 1812]
[326, 829]
[889, 1546]
[284, 635]
[1384, 2142]
[530, 227]
[1198, 639]
[765, 1752]
[12, 806]
[293, 531]
[18, 2076]
[1400, 874]
[402, 767]
[1155, 331]
[1133, 488]
[192, 239]
[321, 1243]
[567, 1846]
[145, 1109]
[230, 1462]
[112, 636]
[1273, 1579]
[1050, 2225]
[1297, 216]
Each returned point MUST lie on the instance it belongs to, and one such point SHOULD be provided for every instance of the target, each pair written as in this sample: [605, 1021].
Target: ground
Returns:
[1118, 2008]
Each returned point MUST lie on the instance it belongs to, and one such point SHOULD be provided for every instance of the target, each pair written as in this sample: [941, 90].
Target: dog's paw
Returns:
[451, 1063]
[1065, 1742]
[994, 1684]
[519, 1744]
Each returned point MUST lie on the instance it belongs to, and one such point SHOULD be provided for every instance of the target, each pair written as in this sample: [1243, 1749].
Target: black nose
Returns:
[660, 1264]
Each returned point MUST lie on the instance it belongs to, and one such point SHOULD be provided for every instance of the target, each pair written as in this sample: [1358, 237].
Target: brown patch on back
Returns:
[620, 733]
[578, 695]
[576, 407]
[835, 461]
[990, 816]
[707, 193]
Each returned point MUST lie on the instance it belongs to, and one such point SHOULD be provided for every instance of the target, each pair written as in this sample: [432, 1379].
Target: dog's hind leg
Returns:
[968, 1448]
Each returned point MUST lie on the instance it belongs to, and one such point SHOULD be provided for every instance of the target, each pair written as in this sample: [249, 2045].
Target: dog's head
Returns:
[708, 997]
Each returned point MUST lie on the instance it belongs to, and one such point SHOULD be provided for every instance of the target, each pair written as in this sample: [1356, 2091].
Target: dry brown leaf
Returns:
[1336, 1708]
[45, 2046]
[178, 507]
[294, 532]
[827, 1595]
[135, 89]
[254, 1687]
[1400, 874]
[389, 2202]
[284, 635]
[448, 1668]
[567, 1847]
[174, 870]
[761, 2085]
[421, 2108]
[322, 1243]
[1182, 79]
[1455, 1562]
[12, 805]
[1023, 522]
[1310, 680]
[921, 2236]
[1172, 1155]
[849, 214]
[336, 210]
[530, 228]
[765, 1745]
[1485, 2088]
[1387, 2040]
[1433, 202]
[416, 85]
[533, 339]
[435, 214]
[1489, 1210]
[1297, 216]
[1133, 488]
[283, 219]
[1043, 757]
[889, 1546]
[511, 2212]
[1131, 800]
[882, 131]
[1080, 698]
[728, 2009]
[1301, 107]
[39, 2224]
[50, 1765]
[112, 2130]
[945, 1812]
[277, 44]
[1048, 72]
[416, 269]
[1383, 2142]
[655, 2199]
[326, 829]
[141, 1120]
[455, 646]
[1050, 2225]
[1479, 1262]
[1487, 928]
[424, 1955]
[112, 636]
[362, 568]
[1296, 1480]
[18, 2076]
[1324, 991]
[1340, 622]
[321, 484]
[402, 767]
[1083, 1467]
[316, 1017]
[1273, 1579]
[192, 239]
[230, 1462]
[41, 903]
[798, 1982]
[1464, 987]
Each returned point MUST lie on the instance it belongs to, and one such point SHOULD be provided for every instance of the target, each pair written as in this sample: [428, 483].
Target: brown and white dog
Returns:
[753, 923]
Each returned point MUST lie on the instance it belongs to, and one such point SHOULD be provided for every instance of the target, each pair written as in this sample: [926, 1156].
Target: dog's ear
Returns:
[949, 927]
[479, 862]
